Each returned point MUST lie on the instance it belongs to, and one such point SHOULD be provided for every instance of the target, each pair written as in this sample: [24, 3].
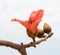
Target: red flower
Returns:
[34, 19]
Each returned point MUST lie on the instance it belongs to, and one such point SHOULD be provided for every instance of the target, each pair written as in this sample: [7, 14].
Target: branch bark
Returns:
[22, 47]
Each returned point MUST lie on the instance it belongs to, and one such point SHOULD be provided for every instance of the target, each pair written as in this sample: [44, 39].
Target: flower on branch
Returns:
[34, 19]
[32, 23]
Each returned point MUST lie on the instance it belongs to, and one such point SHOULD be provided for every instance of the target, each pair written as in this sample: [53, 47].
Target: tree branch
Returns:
[9, 44]
[22, 47]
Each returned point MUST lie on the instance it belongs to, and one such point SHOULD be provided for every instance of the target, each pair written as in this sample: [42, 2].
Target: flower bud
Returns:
[40, 33]
[46, 28]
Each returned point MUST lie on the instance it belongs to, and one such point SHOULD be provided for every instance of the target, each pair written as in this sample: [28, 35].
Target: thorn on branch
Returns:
[21, 43]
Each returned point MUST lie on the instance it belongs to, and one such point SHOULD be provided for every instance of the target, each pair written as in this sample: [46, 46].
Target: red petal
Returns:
[32, 16]
[39, 14]
[36, 22]
[34, 25]
[36, 15]
[14, 19]
[26, 24]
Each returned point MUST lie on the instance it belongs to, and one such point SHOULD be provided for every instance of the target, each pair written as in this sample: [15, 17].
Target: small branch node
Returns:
[21, 43]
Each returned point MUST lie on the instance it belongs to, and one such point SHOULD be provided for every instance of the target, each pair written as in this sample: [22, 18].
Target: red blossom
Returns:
[34, 19]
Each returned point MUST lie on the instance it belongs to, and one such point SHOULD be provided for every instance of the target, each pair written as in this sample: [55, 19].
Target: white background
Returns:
[15, 32]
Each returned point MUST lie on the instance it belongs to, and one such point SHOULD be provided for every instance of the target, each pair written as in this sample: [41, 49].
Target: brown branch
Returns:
[18, 47]
[22, 47]
[9, 44]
